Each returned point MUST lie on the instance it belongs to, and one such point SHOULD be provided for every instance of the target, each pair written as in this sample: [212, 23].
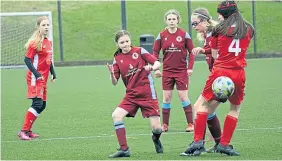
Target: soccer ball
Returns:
[223, 87]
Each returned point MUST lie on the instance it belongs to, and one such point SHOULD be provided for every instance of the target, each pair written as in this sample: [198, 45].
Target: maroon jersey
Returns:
[130, 66]
[207, 48]
[174, 47]
[231, 52]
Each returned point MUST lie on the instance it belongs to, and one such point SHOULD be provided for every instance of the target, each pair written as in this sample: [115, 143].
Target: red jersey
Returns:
[231, 52]
[130, 66]
[174, 47]
[41, 60]
[207, 48]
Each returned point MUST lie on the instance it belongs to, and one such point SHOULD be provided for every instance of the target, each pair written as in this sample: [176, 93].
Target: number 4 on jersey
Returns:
[236, 50]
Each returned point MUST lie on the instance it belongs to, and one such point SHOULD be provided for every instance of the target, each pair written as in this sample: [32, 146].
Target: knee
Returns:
[116, 116]
[38, 105]
[156, 124]
[167, 97]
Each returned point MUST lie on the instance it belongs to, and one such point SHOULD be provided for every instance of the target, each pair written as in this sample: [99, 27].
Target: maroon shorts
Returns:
[148, 107]
[181, 81]
[237, 76]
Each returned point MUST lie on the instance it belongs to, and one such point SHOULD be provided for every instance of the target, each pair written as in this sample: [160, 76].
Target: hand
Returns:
[148, 67]
[40, 78]
[158, 74]
[189, 71]
[53, 78]
[197, 50]
[110, 68]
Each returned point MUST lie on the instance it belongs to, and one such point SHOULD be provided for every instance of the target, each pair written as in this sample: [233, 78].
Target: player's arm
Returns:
[189, 46]
[114, 72]
[153, 62]
[157, 47]
[28, 56]
[52, 71]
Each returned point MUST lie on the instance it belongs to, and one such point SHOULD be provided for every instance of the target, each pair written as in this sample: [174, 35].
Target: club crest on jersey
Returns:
[179, 38]
[134, 56]
[165, 38]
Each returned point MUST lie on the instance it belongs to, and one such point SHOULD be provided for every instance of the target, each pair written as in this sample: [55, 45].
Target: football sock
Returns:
[30, 117]
[187, 107]
[214, 127]
[228, 129]
[156, 134]
[200, 125]
[166, 113]
[121, 135]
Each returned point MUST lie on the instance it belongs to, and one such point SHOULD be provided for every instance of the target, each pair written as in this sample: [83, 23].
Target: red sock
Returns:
[200, 125]
[188, 113]
[30, 117]
[166, 114]
[214, 127]
[121, 135]
[228, 129]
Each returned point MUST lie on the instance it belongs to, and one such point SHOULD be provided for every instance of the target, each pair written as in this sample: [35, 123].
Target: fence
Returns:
[84, 31]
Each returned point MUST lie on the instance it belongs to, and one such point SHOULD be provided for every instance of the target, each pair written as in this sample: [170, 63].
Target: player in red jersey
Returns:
[203, 24]
[231, 39]
[174, 42]
[134, 66]
[38, 59]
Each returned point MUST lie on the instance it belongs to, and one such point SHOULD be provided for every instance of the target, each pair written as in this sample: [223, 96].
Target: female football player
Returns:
[38, 59]
[175, 42]
[203, 24]
[230, 40]
[134, 66]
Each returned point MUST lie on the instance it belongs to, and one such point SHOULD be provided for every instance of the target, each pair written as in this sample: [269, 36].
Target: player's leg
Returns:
[182, 87]
[213, 122]
[238, 77]
[36, 94]
[125, 108]
[187, 108]
[156, 131]
[39, 111]
[204, 109]
[168, 85]
[150, 109]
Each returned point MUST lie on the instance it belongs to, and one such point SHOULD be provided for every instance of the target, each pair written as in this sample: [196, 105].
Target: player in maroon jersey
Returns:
[176, 45]
[203, 24]
[230, 39]
[134, 66]
[38, 59]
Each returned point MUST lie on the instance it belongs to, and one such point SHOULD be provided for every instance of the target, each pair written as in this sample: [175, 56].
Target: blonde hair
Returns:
[36, 38]
[174, 12]
[203, 15]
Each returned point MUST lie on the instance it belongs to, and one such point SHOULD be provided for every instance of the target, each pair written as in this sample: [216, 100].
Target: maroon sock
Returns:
[214, 127]
[188, 113]
[166, 114]
[200, 125]
[228, 129]
[121, 135]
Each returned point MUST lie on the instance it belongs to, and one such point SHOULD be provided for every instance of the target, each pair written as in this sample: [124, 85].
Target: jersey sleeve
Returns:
[206, 46]
[30, 52]
[116, 69]
[189, 46]
[149, 58]
[157, 46]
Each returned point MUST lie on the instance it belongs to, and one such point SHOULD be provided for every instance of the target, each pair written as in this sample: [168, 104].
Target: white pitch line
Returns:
[131, 135]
